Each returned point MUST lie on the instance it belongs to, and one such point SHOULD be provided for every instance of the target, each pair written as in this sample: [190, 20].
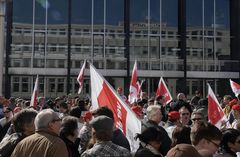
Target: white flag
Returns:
[81, 76]
[34, 94]
[103, 94]
[133, 90]
[235, 88]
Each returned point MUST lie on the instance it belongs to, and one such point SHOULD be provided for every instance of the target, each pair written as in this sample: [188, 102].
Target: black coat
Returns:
[166, 142]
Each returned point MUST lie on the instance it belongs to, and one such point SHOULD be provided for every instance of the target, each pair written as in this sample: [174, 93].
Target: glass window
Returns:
[60, 85]
[25, 84]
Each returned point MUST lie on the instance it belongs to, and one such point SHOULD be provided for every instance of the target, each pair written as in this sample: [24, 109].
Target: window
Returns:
[16, 84]
[25, 84]
[51, 86]
[60, 85]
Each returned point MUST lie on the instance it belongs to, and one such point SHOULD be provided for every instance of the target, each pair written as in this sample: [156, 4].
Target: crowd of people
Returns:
[65, 127]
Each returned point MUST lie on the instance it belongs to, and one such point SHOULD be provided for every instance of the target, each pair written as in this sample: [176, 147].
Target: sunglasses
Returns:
[198, 119]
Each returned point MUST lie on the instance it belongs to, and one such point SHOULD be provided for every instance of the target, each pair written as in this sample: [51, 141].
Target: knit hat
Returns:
[102, 123]
[174, 115]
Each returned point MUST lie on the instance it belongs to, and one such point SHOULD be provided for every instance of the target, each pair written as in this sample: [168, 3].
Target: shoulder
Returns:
[144, 152]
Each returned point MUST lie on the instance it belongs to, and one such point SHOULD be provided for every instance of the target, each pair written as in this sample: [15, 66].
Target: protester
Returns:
[150, 143]
[23, 123]
[185, 114]
[45, 142]
[154, 117]
[181, 134]
[183, 150]
[197, 117]
[118, 136]
[230, 143]
[206, 136]
[102, 131]
[69, 134]
[195, 99]
[5, 122]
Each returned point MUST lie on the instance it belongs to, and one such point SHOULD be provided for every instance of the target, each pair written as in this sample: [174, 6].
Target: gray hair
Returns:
[152, 110]
[43, 118]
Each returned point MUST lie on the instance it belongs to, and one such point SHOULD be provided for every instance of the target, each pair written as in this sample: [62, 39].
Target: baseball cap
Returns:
[102, 123]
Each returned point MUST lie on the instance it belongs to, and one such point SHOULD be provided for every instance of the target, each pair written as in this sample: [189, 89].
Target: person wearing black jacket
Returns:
[69, 133]
[23, 123]
[154, 117]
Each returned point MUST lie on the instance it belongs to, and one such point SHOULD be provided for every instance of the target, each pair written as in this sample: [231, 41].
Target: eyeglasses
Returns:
[183, 114]
[215, 144]
[198, 119]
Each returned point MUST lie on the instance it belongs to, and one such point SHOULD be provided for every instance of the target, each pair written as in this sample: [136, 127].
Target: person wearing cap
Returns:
[173, 122]
[183, 150]
[45, 142]
[102, 131]
[236, 115]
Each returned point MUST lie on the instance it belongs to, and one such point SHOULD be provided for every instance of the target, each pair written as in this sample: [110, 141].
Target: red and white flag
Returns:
[235, 87]
[163, 90]
[103, 94]
[133, 90]
[80, 77]
[34, 94]
[215, 113]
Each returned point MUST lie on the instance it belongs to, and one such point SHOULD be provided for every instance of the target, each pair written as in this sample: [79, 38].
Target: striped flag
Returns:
[163, 90]
[103, 94]
[34, 94]
[215, 113]
[80, 77]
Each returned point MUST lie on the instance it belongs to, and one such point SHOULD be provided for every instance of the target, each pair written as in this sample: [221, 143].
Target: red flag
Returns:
[163, 90]
[34, 94]
[103, 94]
[215, 113]
[80, 77]
[133, 90]
[235, 87]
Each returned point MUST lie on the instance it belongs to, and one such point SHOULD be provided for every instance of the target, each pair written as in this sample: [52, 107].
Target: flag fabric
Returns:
[103, 94]
[34, 94]
[163, 90]
[139, 88]
[215, 113]
[80, 77]
[133, 90]
[235, 88]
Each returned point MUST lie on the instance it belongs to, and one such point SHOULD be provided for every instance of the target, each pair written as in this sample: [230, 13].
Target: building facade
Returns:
[189, 43]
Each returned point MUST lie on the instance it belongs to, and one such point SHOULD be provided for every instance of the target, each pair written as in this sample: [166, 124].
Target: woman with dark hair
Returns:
[150, 143]
[230, 143]
[180, 135]
[69, 133]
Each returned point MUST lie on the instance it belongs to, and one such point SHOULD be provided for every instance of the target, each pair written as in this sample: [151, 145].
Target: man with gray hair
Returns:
[45, 142]
[154, 117]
